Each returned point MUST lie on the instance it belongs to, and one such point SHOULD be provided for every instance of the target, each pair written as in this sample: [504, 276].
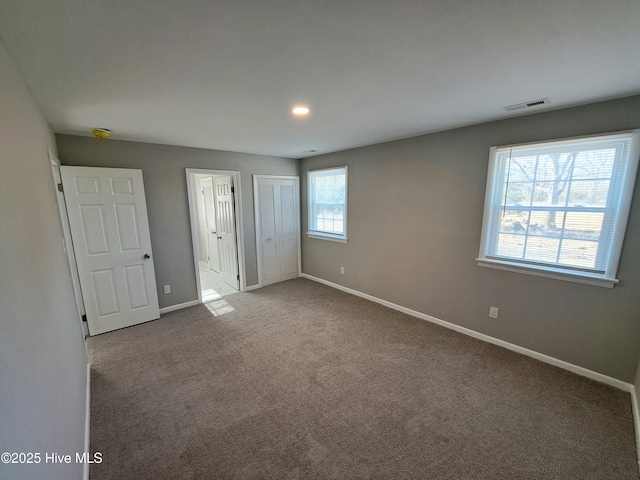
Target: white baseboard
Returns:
[87, 422]
[179, 306]
[636, 421]
[614, 382]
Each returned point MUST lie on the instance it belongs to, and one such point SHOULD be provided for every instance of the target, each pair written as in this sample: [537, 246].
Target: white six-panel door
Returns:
[226, 228]
[277, 227]
[210, 224]
[110, 231]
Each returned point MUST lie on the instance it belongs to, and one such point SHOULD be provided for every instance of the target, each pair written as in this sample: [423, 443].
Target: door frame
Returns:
[237, 205]
[67, 242]
[256, 209]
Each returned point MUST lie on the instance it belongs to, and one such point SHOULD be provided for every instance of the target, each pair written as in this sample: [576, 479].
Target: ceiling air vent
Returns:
[520, 106]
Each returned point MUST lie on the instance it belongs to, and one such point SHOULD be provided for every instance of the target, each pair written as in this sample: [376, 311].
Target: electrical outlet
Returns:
[341, 270]
[493, 312]
[167, 289]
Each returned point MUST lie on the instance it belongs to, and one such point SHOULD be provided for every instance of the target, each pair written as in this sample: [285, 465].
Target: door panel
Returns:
[94, 229]
[135, 278]
[289, 261]
[109, 227]
[213, 253]
[121, 186]
[104, 289]
[226, 228]
[271, 270]
[87, 185]
[127, 223]
[287, 207]
[267, 235]
[289, 232]
[268, 209]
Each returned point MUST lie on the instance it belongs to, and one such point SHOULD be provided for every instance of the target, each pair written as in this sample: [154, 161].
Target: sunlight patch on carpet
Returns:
[218, 307]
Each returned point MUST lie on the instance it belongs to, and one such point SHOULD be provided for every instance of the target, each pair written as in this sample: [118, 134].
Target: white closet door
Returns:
[110, 231]
[267, 236]
[277, 227]
[289, 235]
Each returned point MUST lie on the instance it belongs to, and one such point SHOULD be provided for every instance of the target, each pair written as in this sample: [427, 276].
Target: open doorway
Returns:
[216, 231]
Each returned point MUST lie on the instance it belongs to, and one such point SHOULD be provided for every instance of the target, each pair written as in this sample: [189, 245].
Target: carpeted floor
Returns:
[298, 380]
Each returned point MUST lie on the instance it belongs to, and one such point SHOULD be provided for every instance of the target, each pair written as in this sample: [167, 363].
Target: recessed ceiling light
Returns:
[300, 110]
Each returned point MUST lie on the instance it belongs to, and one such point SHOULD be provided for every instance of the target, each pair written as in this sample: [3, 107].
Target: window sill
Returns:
[331, 238]
[556, 274]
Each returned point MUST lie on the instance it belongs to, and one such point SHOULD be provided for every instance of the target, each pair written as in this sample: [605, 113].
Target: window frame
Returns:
[319, 234]
[621, 215]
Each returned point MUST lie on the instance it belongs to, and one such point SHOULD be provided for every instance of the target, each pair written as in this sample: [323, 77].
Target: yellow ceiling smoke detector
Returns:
[101, 133]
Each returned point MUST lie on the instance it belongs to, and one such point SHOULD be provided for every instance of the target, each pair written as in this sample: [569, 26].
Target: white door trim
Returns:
[67, 241]
[237, 204]
[256, 209]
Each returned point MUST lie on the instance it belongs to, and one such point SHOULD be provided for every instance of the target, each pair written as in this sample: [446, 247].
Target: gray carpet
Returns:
[298, 380]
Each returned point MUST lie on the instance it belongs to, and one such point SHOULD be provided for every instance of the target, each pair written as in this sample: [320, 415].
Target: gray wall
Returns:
[43, 364]
[163, 169]
[415, 218]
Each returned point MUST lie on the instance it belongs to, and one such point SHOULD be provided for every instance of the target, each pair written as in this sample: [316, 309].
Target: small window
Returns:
[559, 209]
[328, 203]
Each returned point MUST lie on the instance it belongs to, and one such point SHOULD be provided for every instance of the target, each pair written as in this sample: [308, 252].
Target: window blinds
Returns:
[558, 204]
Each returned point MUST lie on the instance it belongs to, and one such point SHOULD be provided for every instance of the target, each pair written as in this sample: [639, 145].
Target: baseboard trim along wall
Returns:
[614, 382]
[87, 423]
[636, 421]
[179, 306]
[599, 377]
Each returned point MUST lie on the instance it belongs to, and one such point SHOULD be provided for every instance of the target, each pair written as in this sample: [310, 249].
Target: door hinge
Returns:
[203, 191]
[232, 189]
[60, 189]
[238, 277]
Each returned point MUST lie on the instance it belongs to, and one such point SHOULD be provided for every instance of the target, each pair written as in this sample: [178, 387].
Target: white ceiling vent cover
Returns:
[533, 103]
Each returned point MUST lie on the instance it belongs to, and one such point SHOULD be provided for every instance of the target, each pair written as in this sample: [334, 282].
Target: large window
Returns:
[328, 203]
[560, 208]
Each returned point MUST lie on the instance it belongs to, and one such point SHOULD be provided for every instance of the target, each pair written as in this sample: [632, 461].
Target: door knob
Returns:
[146, 255]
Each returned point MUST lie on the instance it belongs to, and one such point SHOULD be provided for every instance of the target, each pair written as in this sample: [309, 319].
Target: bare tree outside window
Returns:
[559, 204]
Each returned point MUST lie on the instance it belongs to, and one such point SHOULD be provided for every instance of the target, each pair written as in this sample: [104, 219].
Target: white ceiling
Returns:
[224, 74]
